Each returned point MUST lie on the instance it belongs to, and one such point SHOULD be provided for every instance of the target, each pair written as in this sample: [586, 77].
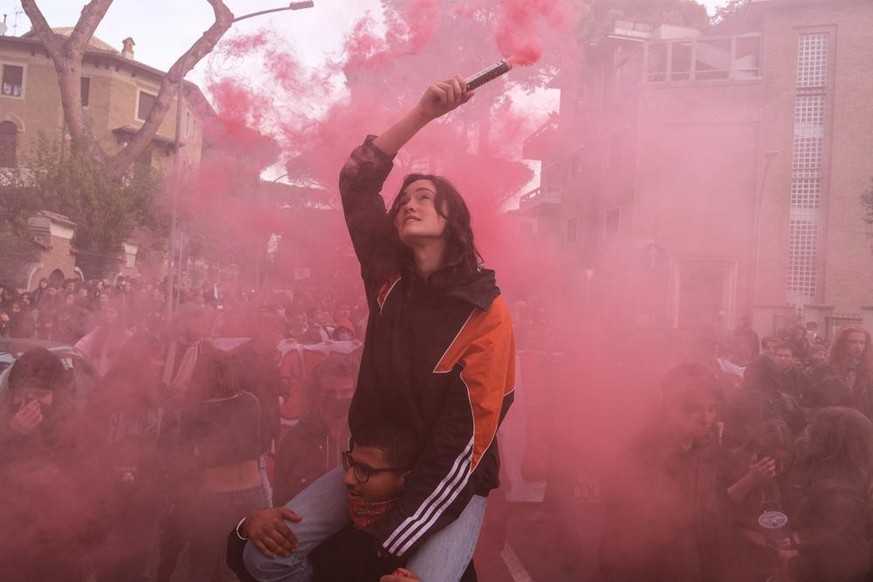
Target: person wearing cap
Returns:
[42, 484]
[38, 393]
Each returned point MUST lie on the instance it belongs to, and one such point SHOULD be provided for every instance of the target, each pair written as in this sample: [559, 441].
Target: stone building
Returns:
[718, 174]
[117, 94]
[44, 252]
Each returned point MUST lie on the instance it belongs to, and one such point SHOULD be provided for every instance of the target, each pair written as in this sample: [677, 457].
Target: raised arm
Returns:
[373, 235]
[438, 99]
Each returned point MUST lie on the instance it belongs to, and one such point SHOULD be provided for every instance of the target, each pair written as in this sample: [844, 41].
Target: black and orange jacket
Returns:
[439, 359]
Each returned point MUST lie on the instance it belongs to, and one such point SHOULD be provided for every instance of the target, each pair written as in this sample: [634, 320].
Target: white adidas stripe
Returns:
[435, 499]
[426, 526]
[447, 495]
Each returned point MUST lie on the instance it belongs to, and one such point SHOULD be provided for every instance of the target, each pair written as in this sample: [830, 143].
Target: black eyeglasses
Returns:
[363, 472]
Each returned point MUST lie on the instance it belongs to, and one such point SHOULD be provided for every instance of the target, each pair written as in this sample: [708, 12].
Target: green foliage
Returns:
[729, 8]
[106, 209]
[676, 12]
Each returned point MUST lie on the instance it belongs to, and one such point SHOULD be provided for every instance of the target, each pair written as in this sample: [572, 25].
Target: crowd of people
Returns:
[68, 311]
[225, 412]
[211, 408]
[759, 466]
[212, 414]
[319, 437]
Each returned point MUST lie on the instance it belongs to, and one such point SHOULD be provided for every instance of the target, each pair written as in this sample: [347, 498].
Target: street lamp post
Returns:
[769, 156]
[176, 182]
[291, 6]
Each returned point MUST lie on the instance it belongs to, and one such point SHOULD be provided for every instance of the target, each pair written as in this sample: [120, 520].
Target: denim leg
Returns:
[324, 509]
[446, 554]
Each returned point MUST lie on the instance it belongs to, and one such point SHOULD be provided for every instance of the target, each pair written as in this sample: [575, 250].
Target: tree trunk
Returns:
[67, 55]
[122, 160]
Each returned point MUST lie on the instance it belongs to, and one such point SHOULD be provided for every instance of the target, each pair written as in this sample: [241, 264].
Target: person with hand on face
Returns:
[438, 352]
[37, 391]
[764, 464]
[29, 416]
[42, 481]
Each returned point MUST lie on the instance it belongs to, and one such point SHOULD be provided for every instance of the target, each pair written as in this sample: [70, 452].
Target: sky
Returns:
[163, 29]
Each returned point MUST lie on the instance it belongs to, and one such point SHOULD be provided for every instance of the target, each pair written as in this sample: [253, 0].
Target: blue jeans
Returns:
[324, 509]
[446, 554]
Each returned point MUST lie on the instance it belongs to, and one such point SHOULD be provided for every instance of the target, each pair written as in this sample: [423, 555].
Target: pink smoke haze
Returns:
[317, 116]
[611, 214]
[284, 128]
[522, 24]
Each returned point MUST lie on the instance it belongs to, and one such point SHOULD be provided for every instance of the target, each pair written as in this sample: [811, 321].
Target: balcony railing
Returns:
[631, 29]
[550, 194]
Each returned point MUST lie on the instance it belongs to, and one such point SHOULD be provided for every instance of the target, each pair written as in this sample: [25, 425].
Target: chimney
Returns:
[127, 48]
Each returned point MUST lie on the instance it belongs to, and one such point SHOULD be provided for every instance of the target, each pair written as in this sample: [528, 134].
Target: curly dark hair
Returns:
[837, 359]
[840, 444]
[460, 258]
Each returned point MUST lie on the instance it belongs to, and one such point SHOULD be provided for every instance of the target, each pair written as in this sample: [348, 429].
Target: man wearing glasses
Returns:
[373, 479]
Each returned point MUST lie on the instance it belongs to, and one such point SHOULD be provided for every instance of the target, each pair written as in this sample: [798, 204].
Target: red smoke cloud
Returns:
[520, 28]
[385, 64]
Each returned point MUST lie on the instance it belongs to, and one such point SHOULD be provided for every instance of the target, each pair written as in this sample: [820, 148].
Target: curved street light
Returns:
[174, 207]
[291, 6]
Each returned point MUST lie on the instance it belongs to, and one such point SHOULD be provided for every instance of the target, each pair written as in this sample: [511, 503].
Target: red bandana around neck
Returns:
[366, 514]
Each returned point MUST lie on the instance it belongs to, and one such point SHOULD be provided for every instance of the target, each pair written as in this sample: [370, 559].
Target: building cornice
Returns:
[105, 58]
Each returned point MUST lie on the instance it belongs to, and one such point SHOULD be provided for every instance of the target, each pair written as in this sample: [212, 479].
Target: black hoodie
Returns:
[440, 359]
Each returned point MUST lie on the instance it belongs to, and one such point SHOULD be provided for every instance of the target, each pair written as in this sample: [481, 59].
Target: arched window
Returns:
[8, 143]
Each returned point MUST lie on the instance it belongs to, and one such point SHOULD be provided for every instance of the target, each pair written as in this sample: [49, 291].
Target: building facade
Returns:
[717, 175]
[118, 93]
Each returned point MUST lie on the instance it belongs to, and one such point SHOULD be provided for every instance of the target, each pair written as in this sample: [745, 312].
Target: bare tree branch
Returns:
[89, 20]
[170, 85]
[67, 55]
[53, 44]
